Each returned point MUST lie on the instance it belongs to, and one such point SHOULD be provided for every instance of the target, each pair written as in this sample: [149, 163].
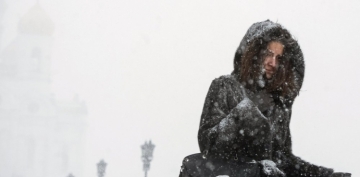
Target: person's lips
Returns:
[269, 71]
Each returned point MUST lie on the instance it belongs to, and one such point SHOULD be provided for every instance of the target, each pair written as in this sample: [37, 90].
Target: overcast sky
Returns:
[143, 68]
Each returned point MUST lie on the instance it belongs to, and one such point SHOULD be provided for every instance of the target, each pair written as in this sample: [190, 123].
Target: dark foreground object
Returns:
[197, 166]
[341, 175]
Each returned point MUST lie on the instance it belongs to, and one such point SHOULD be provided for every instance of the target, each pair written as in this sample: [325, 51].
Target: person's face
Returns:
[273, 52]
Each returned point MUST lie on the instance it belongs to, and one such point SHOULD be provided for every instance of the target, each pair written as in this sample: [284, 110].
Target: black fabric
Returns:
[231, 125]
[339, 174]
[197, 165]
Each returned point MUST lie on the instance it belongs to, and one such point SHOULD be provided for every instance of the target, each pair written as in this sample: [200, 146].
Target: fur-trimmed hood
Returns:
[264, 31]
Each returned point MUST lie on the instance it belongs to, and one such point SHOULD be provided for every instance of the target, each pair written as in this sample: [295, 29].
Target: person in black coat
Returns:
[246, 115]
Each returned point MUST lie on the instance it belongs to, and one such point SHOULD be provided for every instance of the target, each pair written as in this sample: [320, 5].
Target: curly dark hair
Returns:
[250, 68]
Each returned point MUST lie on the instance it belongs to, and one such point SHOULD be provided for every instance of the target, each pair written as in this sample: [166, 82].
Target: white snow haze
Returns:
[100, 78]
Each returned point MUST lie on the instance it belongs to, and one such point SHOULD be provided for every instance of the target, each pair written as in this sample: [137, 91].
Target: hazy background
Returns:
[143, 69]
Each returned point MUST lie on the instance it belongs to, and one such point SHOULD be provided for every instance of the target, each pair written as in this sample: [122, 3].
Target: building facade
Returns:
[39, 135]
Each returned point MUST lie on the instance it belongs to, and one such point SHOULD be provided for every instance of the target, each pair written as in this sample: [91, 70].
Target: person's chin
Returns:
[268, 75]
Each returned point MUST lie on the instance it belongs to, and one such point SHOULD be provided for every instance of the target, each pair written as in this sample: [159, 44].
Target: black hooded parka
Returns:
[232, 126]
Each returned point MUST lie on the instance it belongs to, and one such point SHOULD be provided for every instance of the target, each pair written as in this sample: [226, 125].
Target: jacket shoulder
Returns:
[227, 84]
[225, 79]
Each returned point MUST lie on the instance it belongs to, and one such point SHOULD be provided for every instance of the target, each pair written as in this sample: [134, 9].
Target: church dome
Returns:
[36, 21]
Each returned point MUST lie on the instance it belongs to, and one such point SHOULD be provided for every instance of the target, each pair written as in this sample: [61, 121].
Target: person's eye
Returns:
[269, 54]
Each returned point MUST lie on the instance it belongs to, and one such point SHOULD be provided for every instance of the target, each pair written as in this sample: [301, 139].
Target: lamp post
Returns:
[147, 155]
[101, 166]
[70, 175]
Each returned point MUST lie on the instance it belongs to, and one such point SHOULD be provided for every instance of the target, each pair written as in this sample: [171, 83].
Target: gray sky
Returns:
[144, 67]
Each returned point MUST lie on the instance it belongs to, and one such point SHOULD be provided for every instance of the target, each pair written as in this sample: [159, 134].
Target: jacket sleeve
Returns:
[295, 166]
[221, 123]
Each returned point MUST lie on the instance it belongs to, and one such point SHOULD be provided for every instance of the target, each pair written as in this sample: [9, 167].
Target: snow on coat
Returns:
[232, 126]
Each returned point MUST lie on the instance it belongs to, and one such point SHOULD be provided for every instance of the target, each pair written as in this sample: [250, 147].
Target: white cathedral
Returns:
[39, 135]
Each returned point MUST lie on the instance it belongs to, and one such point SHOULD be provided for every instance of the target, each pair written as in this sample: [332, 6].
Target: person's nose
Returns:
[273, 61]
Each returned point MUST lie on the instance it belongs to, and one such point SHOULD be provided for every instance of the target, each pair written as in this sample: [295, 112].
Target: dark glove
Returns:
[263, 100]
[340, 174]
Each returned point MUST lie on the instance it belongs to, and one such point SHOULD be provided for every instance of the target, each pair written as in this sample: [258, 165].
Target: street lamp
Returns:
[147, 155]
[101, 166]
[70, 175]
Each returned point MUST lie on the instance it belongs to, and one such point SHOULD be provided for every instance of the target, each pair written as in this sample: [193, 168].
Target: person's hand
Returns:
[340, 174]
[269, 168]
[262, 99]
